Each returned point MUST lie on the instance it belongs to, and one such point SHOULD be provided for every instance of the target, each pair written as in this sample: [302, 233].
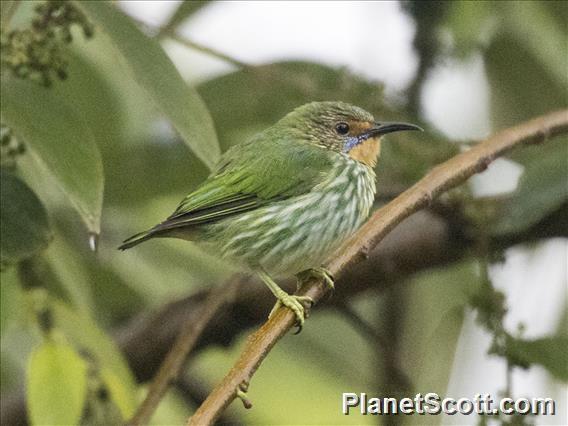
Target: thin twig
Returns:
[163, 32]
[172, 365]
[205, 49]
[442, 178]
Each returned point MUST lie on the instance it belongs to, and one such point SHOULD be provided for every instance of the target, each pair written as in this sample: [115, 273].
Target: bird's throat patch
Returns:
[366, 152]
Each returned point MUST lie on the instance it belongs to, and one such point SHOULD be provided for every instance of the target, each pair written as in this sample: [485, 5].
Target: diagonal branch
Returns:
[186, 341]
[442, 178]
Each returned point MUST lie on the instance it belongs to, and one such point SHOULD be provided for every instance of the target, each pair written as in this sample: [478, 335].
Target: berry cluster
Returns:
[35, 53]
[10, 148]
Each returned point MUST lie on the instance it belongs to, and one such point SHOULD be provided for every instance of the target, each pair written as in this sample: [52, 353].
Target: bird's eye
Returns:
[342, 128]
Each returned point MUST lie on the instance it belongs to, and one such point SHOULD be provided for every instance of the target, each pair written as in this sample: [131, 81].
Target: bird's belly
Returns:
[294, 234]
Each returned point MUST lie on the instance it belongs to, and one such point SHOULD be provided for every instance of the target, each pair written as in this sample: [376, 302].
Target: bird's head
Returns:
[341, 127]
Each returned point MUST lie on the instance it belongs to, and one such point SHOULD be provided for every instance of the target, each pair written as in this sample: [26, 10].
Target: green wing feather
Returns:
[265, 169]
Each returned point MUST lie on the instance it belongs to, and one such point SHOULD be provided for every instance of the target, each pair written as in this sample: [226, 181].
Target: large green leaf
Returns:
[541, 191]
[154, 71]
[280, 87]
[549, 352]
[60, 142]
[23, 220]
[534, 25]
[56, 385]
[432, 325]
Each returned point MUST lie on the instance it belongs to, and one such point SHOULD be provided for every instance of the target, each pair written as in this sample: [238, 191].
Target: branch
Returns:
[442, 178]
[172, 365]
[424, 240]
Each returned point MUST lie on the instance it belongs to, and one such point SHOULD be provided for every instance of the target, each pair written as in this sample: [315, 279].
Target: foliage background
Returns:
[114, 147]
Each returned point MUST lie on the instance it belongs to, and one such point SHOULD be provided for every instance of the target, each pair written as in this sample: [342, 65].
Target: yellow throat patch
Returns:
[367, 152]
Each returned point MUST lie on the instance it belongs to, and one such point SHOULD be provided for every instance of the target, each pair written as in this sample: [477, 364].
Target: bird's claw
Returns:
[317, 272]
[296, 305]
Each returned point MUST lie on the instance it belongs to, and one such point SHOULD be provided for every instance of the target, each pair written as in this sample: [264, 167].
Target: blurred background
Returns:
[467, 297]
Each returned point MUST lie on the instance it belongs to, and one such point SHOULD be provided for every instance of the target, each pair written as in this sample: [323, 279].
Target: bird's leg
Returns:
[318, 272]
[292, 302]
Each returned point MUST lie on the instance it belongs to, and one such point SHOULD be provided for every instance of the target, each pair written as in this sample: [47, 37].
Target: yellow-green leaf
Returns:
[56, 385]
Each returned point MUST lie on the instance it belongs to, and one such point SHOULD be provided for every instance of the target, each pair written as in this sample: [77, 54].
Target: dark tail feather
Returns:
[136, 239]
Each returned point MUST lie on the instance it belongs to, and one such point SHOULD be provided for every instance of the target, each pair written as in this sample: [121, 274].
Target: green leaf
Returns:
[183, 11]
[541, 191]
[56, 385]
[471, 24]
[84, 333]
[60, 142]
[533, 24]
[24, 224]
[434, 313]
[154, 71]
[280, 87]
[549, 352]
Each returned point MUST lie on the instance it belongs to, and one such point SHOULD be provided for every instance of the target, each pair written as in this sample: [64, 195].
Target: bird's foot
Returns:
[318, 272]
[295, 304]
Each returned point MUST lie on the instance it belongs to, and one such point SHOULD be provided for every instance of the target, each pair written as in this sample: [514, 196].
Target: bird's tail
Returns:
[137, 239]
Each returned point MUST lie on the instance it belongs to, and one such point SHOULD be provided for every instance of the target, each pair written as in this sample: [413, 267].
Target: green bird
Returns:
[280, 203]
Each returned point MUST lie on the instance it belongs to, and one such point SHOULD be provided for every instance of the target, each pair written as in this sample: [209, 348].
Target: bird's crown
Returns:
[340, 127]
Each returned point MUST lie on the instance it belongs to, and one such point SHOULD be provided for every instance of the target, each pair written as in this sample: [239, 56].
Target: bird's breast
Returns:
[301, 232]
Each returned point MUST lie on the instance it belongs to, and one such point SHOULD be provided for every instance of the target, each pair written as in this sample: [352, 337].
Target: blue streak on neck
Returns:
[353, 141]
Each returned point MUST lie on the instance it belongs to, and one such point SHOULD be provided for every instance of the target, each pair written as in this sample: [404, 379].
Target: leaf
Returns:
[154, 71]
[471, 25]
[534, 26]
[185, 9]
[60, 142]
[280, 87]
[84, 333]
[24, 224]
[549, 352]
[57, 385]
[541, 191]
[434, 314]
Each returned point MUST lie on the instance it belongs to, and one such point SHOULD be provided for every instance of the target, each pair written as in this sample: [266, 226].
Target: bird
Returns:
[280, 203]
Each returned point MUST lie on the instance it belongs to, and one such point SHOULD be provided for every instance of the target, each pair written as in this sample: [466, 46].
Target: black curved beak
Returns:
[380, 129]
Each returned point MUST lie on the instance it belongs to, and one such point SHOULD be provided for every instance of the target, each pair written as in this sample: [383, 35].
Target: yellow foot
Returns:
[319, 272]
[295, 304]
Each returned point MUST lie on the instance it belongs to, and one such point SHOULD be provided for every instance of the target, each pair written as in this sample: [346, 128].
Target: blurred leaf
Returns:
[533, 25]
[185, 9]
[24, 223]
[549, 352]
[70, 273]
[521, 86]
[57, 385]
[542, 188]
[154, 71]
[471, 24]
[88, 91]
[84, 333]
[280, 87]
[122, 393]
[432, 325]
[60, 142]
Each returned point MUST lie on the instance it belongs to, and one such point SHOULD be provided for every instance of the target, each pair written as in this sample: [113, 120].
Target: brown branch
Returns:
[442, 178]
[424, 240]
[172, 365]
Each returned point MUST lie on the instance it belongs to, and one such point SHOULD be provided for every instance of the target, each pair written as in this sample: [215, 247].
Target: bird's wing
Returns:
[248, 176]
